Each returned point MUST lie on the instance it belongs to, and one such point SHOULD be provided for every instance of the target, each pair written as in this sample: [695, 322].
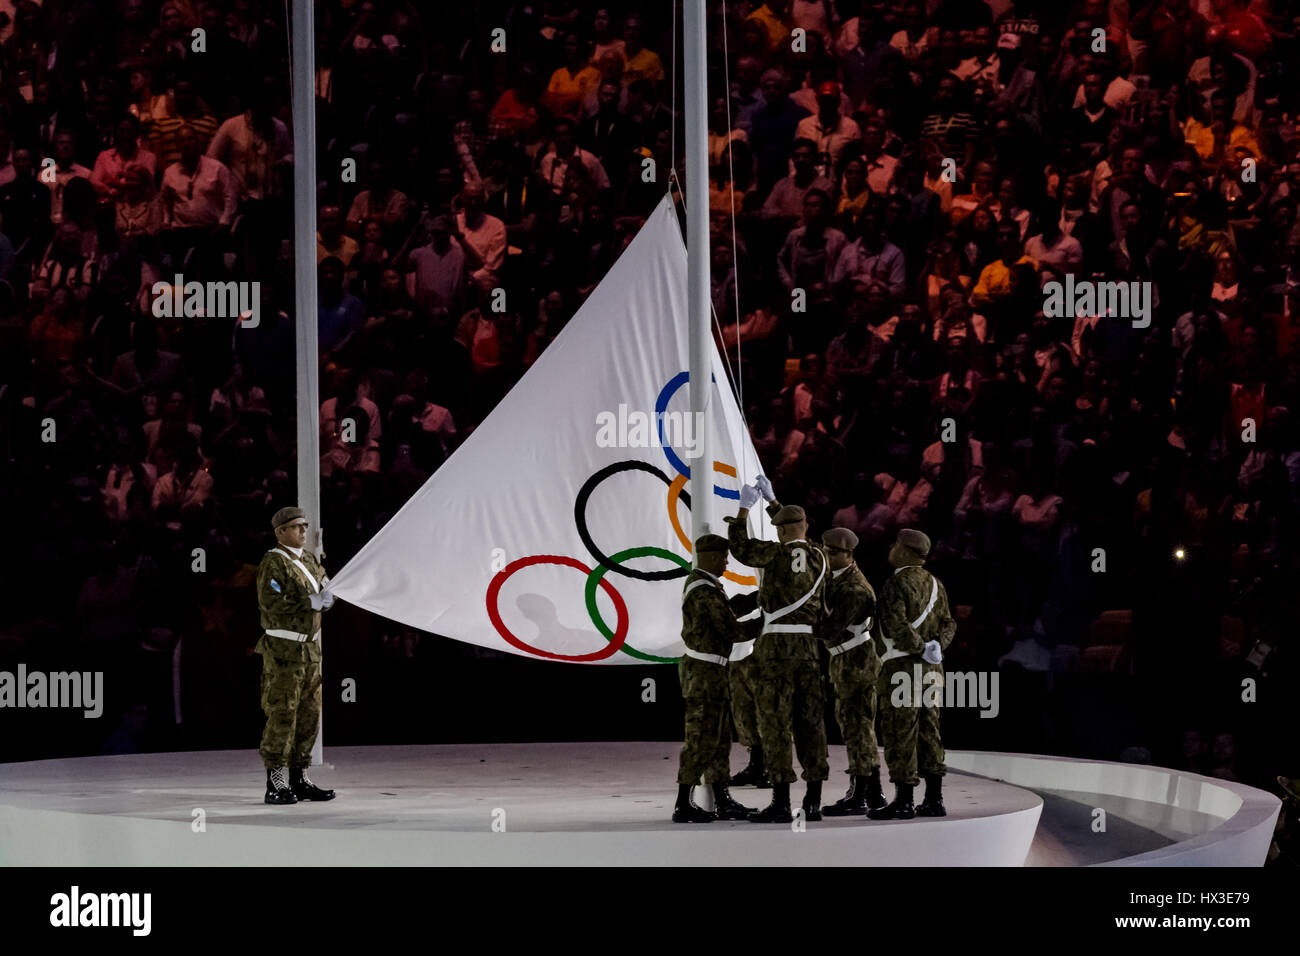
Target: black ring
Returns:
[580, 519]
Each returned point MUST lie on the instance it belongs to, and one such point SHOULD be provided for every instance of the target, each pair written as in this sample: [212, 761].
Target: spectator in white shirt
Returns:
[785, 201]
[436, 271]
[186, 486]
[198, 192]
[253, 146]
[564, 150]
[109, 174]
[880, 165]
[137, 211]
[481, 236]
[1054, 252]
[828, 129]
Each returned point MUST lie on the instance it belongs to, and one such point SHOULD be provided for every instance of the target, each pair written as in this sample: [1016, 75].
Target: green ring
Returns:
[593, 580]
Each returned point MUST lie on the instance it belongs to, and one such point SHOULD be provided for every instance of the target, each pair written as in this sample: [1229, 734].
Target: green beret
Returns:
[710, 542]
[285, 515]
[914, 541]
[841, 538]
[789, 514]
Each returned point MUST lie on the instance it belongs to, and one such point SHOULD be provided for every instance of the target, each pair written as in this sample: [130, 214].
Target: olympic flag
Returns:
[560, 529]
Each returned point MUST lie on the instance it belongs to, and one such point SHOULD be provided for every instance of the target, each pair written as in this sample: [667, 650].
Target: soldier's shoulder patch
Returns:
[275, 585]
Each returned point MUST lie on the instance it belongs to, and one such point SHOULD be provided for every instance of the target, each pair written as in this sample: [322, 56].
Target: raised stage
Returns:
[593, 804]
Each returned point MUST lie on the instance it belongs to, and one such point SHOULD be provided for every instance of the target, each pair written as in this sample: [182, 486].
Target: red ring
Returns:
[620, 609]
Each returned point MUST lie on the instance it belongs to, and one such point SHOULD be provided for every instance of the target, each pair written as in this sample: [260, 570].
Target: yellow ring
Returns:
[674, 491]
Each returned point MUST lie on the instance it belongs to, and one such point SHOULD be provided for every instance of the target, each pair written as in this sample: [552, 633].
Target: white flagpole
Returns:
[303, 65]
[695, 107]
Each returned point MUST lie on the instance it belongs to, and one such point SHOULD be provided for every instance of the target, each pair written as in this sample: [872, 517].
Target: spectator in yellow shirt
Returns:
[995, 278]
[570, 85]
[1218, 139]
[639, 63]
[854, 193]
[773, 17]
[331, 240]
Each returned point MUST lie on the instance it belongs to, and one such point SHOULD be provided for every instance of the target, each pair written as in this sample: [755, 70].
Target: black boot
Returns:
[277, 787]
[875, 795]
[753, 775]
[812, 801]
[854, 802]
[686, 811]
[304, 789]
[727, 808]
[900, 809]
[932, 805]
[778, 811]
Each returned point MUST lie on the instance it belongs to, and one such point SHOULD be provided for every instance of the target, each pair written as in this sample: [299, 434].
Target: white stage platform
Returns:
[542, 804]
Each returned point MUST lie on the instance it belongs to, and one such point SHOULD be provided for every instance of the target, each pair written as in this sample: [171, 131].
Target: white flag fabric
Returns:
[560, 528]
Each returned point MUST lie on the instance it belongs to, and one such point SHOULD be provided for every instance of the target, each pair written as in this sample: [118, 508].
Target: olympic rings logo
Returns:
[616, 636]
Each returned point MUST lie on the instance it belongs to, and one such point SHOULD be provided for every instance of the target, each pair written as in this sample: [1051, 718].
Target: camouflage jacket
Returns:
[850, 600]
[905, 626]
[709, 626]
[284, 599]
[789, 571]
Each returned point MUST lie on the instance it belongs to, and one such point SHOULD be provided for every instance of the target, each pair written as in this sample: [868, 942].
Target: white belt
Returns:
[740, 650]
[293, 635]
[711, 658]
[315, 585]
[768, 616]
[934, 596]
[850, 644]
[697, 583]
[891, 651]
[861, 634]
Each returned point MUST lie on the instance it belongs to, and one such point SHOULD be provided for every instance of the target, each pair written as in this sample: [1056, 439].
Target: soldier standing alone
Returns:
[790, 701]
[850, 605]
[709, 629]
[915, 629]
[292, 590]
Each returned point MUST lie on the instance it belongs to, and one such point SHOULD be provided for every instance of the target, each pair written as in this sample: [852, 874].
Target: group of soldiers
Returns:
[755, 658]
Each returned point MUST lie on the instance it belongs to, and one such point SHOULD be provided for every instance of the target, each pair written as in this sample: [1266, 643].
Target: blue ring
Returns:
[661, 405]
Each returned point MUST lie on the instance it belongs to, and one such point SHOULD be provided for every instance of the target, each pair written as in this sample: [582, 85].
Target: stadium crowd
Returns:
[1113, 504]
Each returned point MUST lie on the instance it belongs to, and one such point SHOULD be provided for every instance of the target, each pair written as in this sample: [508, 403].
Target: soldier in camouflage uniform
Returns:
[854, 668]
[790, 701]
[709, 630]
[292, 590]
[915, 628]
[744, 713]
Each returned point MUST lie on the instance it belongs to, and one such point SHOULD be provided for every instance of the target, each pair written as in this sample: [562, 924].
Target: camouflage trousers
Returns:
[291, 700]
[791, 706]
[910, 732]
[743, 710]
[855, 711]
[706, 748]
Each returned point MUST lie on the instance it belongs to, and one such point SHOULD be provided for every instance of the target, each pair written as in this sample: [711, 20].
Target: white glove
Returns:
[765, 488]
[317, 601]
[327, 600]
[932, 652]
[748, 496]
